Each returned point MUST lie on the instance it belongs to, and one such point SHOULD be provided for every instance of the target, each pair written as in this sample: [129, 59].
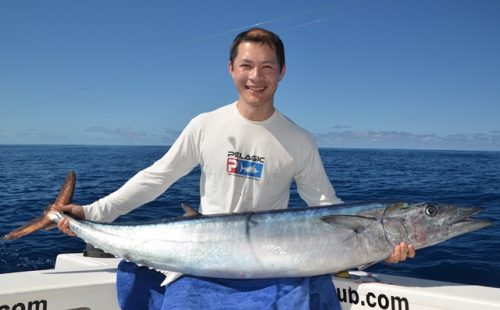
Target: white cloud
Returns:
[341, 137]
[407, 140]
[132, 136]
[94, 135]
[29, 136]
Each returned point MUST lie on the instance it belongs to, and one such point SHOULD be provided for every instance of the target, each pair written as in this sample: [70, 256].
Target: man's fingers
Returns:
[63, 208]
[411, 251]
[403, 251]
[394, 257]
[63, 226]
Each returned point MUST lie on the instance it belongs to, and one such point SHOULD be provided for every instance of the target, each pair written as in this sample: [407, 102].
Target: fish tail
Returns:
[45, 220]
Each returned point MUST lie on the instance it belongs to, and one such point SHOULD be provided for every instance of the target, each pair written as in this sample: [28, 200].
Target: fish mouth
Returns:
[464, 221]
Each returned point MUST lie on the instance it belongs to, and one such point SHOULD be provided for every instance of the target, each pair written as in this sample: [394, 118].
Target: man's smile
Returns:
[256, 89]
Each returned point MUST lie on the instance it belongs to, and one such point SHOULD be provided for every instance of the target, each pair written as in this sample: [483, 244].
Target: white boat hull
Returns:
[79, 282]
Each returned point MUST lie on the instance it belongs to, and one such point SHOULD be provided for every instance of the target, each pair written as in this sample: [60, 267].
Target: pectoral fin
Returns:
[352, 222]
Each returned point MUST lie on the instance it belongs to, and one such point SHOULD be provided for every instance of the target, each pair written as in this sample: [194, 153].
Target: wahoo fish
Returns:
[270, 244]
[249, 169]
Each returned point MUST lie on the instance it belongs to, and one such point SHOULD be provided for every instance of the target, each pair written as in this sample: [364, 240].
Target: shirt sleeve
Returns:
[149, 183]
[313, 184]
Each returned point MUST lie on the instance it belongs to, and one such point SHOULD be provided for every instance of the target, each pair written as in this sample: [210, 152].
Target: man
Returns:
[249, 154]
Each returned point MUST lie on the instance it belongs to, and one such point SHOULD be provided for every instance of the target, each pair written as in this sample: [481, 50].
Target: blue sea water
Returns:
[30, 177]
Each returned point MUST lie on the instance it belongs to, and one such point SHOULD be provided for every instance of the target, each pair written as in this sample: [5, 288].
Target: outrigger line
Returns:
[203, 38]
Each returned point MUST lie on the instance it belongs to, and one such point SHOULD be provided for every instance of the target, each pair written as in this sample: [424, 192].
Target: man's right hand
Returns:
[75, 211]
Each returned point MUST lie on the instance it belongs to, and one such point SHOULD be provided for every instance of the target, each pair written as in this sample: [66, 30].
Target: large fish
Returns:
[270, 244]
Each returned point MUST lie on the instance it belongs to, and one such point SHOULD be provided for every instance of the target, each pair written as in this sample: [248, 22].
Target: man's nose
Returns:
[256, 74]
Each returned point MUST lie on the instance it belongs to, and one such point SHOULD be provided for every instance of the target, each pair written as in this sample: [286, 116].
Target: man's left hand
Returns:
[401, 252]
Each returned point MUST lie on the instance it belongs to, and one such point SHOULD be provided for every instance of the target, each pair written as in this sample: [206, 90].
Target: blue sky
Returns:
[378, 74]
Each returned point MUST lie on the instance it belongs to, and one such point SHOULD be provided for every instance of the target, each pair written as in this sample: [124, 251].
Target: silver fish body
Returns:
[285, 243]
[271, 244]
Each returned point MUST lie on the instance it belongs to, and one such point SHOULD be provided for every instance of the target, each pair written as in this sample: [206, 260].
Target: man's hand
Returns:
[75, 211]
[401, 252]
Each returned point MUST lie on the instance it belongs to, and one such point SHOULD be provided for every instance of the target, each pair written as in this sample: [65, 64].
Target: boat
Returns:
[79, 282]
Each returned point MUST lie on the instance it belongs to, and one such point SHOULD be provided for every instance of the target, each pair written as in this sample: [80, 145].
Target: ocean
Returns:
[31, 175]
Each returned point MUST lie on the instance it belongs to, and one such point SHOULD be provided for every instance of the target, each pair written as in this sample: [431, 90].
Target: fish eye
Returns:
[431, 211]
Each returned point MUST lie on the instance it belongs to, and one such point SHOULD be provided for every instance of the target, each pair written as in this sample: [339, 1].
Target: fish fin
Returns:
[170, 276]
[343, 274]
[189, 211]
[39, 223]
[44, 221]
[67, 189]
[353, 222]
[363, 267]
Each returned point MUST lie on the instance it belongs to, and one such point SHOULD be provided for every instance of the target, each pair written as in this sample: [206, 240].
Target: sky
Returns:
[410, 74]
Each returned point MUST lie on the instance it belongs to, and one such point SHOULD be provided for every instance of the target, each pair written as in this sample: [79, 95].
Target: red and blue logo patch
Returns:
[245, 166]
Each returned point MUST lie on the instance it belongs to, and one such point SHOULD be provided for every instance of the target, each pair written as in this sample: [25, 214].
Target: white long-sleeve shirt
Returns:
[245, 166]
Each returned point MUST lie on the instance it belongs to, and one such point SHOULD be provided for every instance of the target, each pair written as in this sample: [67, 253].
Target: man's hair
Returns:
[262, 36]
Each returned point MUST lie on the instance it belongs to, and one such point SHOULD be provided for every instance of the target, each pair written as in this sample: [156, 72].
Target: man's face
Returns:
[256, 74]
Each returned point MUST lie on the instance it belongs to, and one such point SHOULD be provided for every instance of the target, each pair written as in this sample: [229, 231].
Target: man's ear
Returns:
[282, 73]
[230, 68]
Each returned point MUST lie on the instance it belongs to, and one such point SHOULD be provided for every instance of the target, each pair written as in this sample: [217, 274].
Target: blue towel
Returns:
[139, 288]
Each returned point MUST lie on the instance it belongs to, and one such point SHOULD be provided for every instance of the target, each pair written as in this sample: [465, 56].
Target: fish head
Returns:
[426, 224]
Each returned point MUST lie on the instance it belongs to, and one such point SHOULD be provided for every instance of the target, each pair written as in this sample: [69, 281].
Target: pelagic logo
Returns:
[248, 166]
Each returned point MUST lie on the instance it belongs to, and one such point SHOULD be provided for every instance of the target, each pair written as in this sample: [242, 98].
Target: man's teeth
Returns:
[256, 88]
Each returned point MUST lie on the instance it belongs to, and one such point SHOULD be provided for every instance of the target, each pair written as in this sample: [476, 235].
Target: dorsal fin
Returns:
[189, 211]
[43, 221]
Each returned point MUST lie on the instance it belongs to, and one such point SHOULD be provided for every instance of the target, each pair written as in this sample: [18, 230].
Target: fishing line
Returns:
[204, 38]
[260, 24]
[324, 19]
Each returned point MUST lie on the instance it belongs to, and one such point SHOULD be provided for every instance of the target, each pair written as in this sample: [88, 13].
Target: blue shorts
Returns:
[139, 288]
